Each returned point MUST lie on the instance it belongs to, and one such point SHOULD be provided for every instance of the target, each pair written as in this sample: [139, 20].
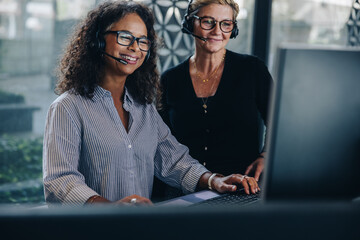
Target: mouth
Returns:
[214, 39]
[129, 59]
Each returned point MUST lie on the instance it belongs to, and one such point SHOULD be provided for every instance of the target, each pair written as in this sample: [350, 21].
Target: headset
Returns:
[100, 42]
[187, 25]
[100, 46]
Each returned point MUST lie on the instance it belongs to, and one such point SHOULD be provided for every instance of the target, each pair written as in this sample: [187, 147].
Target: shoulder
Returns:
[244, 62]
[68, 101]
[66, 98]
[245, 58]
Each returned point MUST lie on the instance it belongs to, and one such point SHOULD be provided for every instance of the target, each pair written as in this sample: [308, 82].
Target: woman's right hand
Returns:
[135, 200]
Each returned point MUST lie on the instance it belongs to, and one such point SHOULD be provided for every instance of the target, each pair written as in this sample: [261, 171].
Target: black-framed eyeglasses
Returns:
[125, 38]
[208, 23]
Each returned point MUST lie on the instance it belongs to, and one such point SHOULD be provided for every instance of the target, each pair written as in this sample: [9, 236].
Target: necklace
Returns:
[205, 100]
[204, 80]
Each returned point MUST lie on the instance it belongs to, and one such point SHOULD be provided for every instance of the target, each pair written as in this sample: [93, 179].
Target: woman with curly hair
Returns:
[104, 140]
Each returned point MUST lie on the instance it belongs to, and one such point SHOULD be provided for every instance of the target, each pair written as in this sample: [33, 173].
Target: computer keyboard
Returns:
[238, 198]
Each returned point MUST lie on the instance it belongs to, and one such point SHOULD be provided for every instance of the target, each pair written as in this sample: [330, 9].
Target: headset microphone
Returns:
[201, 38]
[115, 58]
[185, 30]
[187, 24]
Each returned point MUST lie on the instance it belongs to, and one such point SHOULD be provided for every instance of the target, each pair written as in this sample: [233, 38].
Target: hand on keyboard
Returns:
[230, 183]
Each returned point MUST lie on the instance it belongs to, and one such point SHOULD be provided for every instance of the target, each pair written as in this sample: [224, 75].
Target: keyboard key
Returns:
[238, 198]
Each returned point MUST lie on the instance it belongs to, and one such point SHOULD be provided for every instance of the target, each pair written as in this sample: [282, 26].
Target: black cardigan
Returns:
[226, 138]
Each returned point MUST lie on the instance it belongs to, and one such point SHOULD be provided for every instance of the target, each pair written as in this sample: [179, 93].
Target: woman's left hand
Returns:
[230, 183]
[257, 166]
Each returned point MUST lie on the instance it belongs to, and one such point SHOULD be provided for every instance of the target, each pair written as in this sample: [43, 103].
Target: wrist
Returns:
[96, 199]
[92, 199]
[211, 179]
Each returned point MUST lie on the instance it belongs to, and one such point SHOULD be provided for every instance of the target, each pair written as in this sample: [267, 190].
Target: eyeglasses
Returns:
[208, 23]
[126, 39]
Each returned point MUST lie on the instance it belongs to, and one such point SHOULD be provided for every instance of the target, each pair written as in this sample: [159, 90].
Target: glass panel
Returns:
[309, 22]
[243, 42]
[32, 36]
[32, 33]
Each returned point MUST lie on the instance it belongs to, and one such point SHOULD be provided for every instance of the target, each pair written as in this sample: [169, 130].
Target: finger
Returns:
[248, 170]
[246, 186]
[136, 200]
[230, 188]
[142, 201]
[236, 179]
[258, 172]
[226, 188]
[253, 184]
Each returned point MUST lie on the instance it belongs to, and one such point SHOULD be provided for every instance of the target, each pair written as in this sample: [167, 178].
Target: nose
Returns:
[216, 28]
[134, 46]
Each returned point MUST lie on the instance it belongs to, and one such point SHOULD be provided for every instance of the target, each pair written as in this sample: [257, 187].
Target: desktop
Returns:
[314, 134]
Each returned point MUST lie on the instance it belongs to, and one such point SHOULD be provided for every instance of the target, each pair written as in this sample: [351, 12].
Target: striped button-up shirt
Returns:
[87, 150]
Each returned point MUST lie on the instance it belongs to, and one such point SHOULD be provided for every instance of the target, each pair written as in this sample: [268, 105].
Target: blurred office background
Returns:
[34, 32]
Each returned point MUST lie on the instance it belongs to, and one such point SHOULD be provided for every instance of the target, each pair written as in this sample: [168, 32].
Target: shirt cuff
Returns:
[79, 195]
[192, 178]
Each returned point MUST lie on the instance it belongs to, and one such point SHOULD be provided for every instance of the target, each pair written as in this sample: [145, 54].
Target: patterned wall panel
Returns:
[176, 46]
[354, 25]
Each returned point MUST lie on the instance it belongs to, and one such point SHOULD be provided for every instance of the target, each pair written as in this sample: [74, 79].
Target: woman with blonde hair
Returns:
[212, 101]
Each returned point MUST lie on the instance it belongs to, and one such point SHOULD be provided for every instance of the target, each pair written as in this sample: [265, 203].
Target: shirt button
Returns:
[205, 148]
[129, 146]
[204, 163]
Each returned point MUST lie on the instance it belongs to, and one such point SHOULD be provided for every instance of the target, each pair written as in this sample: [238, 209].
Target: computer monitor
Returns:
[314, 134]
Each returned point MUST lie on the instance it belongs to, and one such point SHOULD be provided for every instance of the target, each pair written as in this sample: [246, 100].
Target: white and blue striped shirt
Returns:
[87, 150]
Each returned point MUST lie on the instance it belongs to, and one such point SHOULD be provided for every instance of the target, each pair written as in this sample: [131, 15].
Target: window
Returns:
[32, 33]
[309, 22]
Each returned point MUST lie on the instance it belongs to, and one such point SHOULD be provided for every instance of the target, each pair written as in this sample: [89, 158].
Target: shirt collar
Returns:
[128, 100]
[100, 93]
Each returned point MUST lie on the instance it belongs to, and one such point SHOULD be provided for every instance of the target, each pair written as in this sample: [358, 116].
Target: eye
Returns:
[125, 37]
[144, 41]
[208, 21]
[227, 23]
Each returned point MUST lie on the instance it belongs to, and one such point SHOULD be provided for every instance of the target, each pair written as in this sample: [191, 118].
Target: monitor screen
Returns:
[314, 135]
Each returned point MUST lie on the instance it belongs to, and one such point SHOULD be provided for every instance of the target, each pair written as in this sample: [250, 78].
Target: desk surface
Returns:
[311, 220]
[189, 199]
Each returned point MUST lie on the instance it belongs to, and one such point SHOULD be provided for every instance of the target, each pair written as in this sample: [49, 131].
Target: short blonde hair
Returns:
[197, 4]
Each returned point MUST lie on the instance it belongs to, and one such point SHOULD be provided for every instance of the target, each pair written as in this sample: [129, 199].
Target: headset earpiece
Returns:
[147, 56]
[187, 23]
[100, 42]
[234, 32]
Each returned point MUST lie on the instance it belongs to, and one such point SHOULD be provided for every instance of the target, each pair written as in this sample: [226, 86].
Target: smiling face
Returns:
[216, 39]
[133, 24]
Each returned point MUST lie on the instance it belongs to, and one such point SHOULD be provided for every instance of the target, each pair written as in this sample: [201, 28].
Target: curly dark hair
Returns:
[82, 67]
